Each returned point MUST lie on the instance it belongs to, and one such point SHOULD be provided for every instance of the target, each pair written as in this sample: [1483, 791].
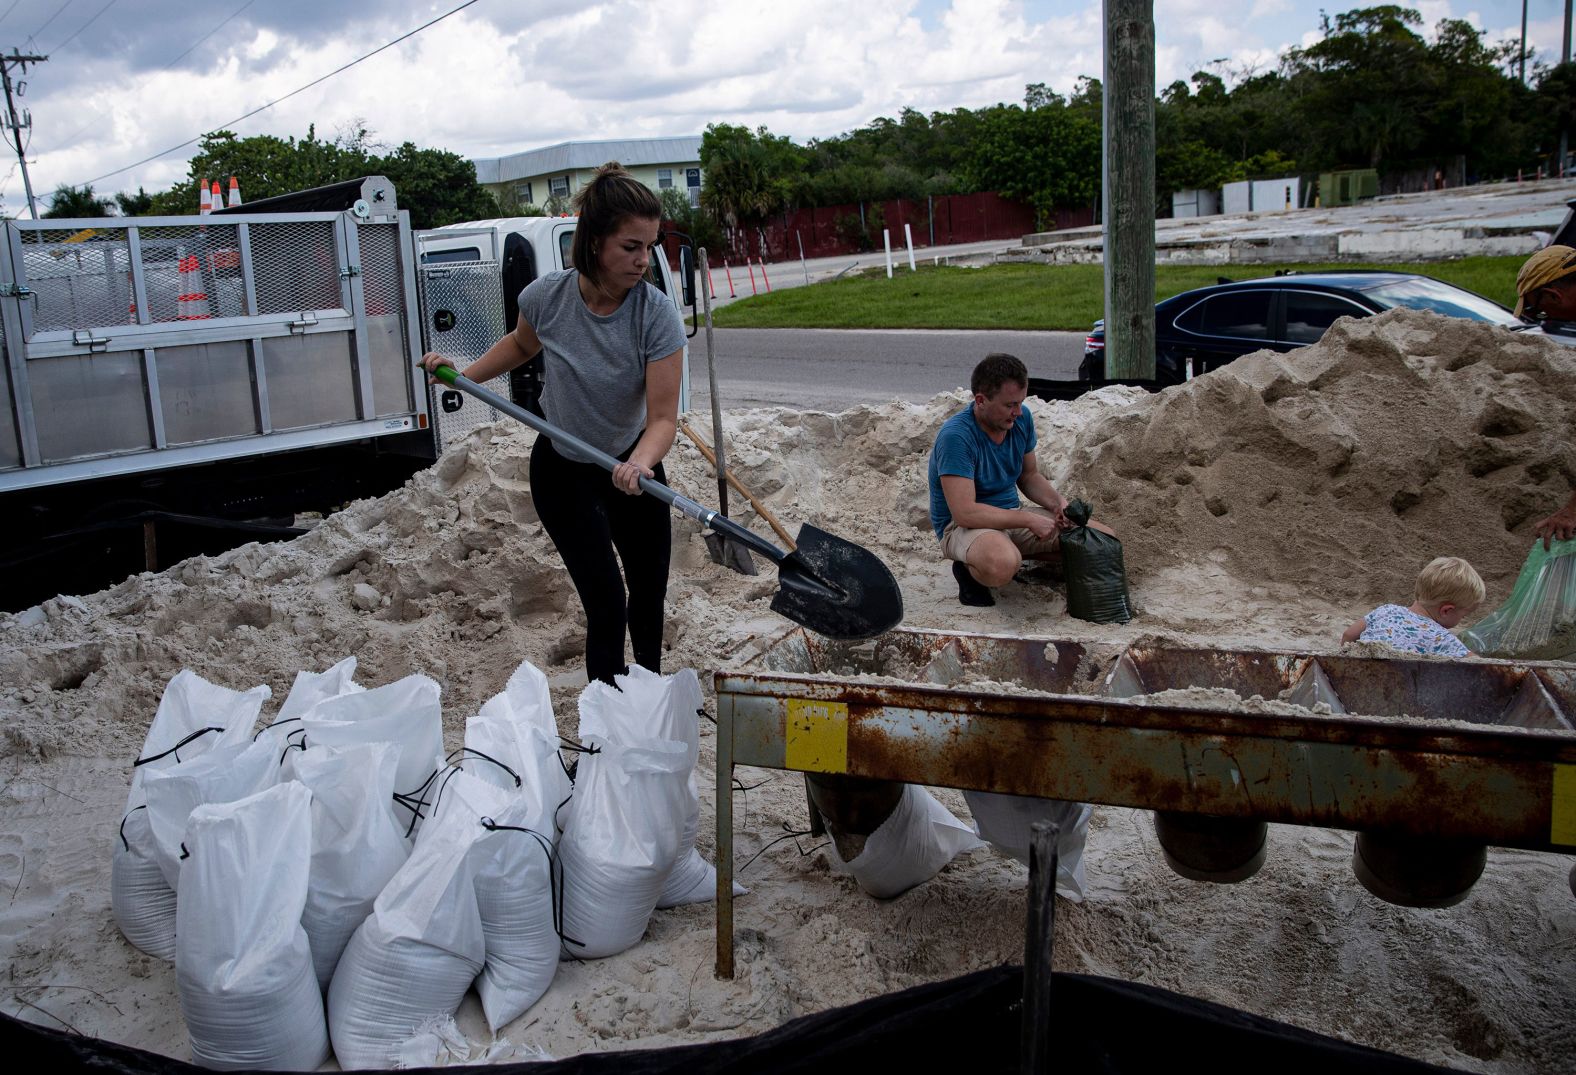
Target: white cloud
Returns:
[501, 77]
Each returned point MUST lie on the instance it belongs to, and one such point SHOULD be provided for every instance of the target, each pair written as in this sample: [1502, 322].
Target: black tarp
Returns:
[968, 1024]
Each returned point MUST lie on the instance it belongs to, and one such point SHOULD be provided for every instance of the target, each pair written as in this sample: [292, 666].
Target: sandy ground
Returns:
[1267, 504]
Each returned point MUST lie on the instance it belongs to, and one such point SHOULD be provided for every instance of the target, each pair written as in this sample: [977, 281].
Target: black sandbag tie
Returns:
[413, 801]
[198, 734]
[465, 752]
[565, 743]
[555, 876]
[270, 727]
[788, 834]
[123, 841]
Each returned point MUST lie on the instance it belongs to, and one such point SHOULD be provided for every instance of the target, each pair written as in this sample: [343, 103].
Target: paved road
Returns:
[831, 369]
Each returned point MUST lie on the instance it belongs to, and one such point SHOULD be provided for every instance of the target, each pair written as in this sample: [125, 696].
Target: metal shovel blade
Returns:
[730, 553]
[836, 588]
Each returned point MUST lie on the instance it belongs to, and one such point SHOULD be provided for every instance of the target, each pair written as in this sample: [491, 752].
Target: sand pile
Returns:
[1345, 466]
[1269, 503]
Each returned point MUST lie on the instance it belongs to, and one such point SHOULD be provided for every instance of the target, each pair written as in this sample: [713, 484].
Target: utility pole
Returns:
[1128, 132]
[1565, 58]
[16, 124]
[1523, 75]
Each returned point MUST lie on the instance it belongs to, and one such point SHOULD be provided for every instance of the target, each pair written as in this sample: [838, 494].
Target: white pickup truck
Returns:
[468, 268]
[165, 380]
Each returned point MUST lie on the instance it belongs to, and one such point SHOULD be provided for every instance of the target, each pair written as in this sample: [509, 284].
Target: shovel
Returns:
[832, 586]
[724, 549]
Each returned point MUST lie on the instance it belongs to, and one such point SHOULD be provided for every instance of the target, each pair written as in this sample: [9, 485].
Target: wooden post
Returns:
[1128, 136]
[1039, 931]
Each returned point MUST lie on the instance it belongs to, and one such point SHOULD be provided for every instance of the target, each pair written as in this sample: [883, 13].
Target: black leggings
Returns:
[588, 517]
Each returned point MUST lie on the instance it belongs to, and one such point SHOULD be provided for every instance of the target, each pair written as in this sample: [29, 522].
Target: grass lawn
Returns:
[1068, 297]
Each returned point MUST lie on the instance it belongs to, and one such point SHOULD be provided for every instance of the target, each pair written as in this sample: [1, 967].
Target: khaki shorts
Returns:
[955, 540]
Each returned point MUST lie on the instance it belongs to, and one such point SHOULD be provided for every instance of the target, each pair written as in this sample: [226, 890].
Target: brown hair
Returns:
[602, 205]
[995, 370]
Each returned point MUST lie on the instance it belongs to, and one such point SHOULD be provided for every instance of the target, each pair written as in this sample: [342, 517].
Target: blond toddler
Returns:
[1448, 591]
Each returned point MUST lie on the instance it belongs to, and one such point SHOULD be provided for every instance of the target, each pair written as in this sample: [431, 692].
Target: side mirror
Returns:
[687, 274]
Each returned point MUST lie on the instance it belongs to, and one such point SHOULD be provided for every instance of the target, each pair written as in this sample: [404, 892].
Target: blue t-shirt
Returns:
[962, 448]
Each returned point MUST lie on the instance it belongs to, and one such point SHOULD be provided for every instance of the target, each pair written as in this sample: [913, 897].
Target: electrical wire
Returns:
[72, 137]
[286, 97]
[49, 20]
[84, 26]
[10, 9]
[209, 34]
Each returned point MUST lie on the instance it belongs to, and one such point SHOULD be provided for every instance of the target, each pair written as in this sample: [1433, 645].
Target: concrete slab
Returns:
[1500, 218]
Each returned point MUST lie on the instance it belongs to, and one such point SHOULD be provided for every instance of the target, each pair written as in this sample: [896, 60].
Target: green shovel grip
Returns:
[446, 374]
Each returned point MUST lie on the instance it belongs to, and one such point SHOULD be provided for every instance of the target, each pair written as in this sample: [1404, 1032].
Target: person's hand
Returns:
[626, 477]
[1061, 515]
[1559, 526]
[1041, 526]
[430, 362]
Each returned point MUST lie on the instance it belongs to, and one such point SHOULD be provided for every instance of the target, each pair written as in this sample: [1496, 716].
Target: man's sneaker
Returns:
[971, 591]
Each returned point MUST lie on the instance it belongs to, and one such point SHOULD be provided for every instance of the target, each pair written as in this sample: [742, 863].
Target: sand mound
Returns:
[1268, 503]
[1345, 466]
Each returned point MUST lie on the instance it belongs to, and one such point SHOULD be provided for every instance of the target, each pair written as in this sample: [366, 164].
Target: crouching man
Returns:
[983, 458]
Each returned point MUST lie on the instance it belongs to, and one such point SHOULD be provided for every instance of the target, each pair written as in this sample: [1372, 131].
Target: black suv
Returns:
[1199, 330]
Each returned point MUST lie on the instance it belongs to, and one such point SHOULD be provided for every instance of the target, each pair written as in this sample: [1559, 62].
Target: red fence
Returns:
[939, 221]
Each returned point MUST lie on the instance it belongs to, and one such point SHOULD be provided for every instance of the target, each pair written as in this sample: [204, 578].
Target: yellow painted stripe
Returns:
[1562, 818]
[81, 236]
[817, 736]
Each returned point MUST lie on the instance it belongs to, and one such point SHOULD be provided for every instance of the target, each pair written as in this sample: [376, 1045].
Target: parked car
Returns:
[1200, 330]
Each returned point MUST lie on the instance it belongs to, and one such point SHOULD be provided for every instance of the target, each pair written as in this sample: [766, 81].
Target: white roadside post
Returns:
[886, 237]
[908, 239]
[805, 268]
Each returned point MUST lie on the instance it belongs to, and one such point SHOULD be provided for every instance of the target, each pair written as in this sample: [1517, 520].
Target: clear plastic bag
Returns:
[1538, 621]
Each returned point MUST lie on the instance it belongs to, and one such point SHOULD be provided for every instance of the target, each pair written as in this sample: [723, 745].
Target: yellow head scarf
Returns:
[1542, 269]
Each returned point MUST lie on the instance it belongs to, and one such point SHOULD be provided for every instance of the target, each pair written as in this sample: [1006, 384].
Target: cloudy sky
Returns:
[129, 79]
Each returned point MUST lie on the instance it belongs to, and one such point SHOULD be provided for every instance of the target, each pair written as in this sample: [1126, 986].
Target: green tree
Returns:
[1048, 157]
[438, 187]
[748, 175]
[692, 221]
[138, 204]
[69, 201]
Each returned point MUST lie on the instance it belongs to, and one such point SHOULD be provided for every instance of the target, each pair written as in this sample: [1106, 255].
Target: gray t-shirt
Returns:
[594, 367]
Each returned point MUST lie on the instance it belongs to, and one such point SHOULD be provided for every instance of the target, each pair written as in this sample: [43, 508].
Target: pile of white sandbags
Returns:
[333, 879]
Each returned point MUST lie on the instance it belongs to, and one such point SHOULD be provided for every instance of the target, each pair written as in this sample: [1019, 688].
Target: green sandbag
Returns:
[1092, 566]
[1538, 621]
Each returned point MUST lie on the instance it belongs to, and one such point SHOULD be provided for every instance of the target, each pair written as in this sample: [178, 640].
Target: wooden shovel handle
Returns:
[738, 487]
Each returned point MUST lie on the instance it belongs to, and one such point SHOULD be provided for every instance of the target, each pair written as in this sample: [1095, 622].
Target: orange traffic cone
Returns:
[217, 200]
[235, 194]
[192, 302]
[205, 200]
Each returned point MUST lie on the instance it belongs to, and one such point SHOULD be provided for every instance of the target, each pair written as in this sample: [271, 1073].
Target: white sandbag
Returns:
[1004, 822]
[357, 842]
[675, 703]
[910, 847]
[306, 692]
[623, 827]
[406, 712]
[242, 962]
[413, 959]
[513, 745]
[194, 715]
[225, 774]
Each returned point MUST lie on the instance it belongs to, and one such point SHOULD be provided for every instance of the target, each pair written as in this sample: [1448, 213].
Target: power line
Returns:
[10, 9]
[286, 97]
[209, 34]
[49, 20]
[84, 26]
[68, 139]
